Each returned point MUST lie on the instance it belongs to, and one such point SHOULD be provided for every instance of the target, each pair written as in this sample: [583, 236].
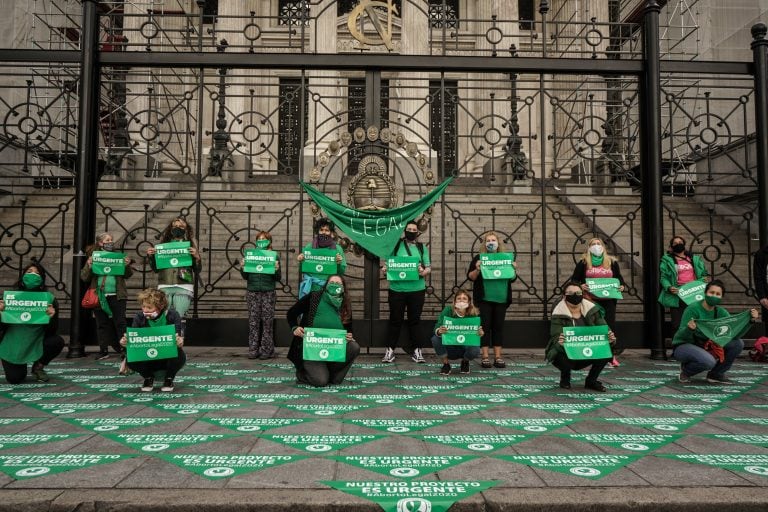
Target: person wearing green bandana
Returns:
[261, 297]
[327, 308]
[697, 354]
[155, 313]
[113, 298]
[323, 239]
[678, 267]
[24, 344]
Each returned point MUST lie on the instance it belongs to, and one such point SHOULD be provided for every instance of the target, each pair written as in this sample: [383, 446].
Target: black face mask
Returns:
[678, 248]
[574, 299]
[411, 236]
[324, 240]
[178, 232]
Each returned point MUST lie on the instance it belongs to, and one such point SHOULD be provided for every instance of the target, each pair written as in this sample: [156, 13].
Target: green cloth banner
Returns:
[376, 230]
[462, 331]
[105, 263]
[27, 308]
[173, 255]
[692, 292]
[604, 288]
[497, 265]
[327, 345]
[319, 261]
[723, 330]
[151, 343]
[589, 342]
[20, 467]
[403, 466]
[403, 268]
[216, 467]
[258, 261]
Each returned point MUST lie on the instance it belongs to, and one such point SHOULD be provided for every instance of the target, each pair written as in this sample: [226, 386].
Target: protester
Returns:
[574, 311]
[261, 297]
[322, 239]
[760, 272]
[461, 308]
[695, 352]
[678, 267]
[596, 263]
[327, 308]
[493, 297]
[38, 343]
[407, 296]
[113, 298]
[156, 313]
[178, 283]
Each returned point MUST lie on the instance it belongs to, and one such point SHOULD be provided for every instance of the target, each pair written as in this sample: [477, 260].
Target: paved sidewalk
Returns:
[239, 434]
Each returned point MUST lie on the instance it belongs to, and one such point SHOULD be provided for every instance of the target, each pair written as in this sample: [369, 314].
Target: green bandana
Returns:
[159, 321]
[597, 260]
[327, 316]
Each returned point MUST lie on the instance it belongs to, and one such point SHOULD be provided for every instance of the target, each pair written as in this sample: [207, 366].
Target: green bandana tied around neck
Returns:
[597, 260]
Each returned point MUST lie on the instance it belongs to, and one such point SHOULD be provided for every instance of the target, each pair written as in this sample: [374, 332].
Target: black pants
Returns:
[320, 374]
[492, 316]
[609, 306]
[171, 366]
[52, 347]
[110, 330]
[676, 315]
[399, 302]
[565, 365]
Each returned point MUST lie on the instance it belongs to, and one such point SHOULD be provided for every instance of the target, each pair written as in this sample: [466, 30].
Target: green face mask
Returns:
[712, 300]
[334, 289]
[31, 281]
[262, 244]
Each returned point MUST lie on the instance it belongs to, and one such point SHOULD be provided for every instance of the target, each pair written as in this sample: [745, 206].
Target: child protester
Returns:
[462, 307]
[261, 297]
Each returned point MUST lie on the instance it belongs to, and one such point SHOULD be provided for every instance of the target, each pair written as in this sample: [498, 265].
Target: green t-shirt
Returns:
[406, 249]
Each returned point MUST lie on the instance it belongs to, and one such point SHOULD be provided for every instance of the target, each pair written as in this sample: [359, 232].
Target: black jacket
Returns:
[172, 317]
[306, 308]
[760, 272]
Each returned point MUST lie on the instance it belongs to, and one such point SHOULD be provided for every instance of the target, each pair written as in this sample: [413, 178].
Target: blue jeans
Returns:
[695, 359]
[454, 351]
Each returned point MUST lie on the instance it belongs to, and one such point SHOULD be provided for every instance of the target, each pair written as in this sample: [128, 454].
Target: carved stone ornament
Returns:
[372, 188]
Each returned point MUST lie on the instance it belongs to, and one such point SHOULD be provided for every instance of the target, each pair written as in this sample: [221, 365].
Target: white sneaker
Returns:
[417, 356]
[389, 356]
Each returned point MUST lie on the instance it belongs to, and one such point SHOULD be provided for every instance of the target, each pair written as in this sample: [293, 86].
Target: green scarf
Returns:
[159, 321]
[597, 260]
[327, 316]
[103, 297]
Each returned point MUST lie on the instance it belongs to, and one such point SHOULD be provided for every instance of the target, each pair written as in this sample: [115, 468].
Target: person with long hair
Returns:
[327, 308]
[37, 344]
[261, 297]
[677, 268]
[323, 231]
[461, 307]
[178, 284]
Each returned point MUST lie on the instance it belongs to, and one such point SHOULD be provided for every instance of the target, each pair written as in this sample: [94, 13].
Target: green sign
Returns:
[593, 467]
[69, 408]
[664, 424]
[414, 496]
[220, 388]
[497, 265]
[325, 409]
[26, 308]
[403, 466]
[13, 421]
[633, 388]
[319, 261]
[611, 397]
[260, 261]
[527, 388]
[604, 288]
[692, 292]
[632, 442]
[327, 345]
[403, 268]
[161, 442]
[108, 387]
[462, 331]
[396, 426]
[173, 255]
[195, 407]
[494, 398]
[528, 424]
[268, 398]
[756, 439]
[317, 443]
[20, 467]
[384, 399]
[112, 424]
[723, 330]
[562, 408]
[215, 467]
[36, 397]
[754, 421]
[429, 388]
[448, 409]
[710, 398]
[140, 397]
[754, 464]
[694, 409]
[476, 442]
[16, 440]
[255, 424]
[588, 342]
[151, 343]
[105, 263]
[373, 379]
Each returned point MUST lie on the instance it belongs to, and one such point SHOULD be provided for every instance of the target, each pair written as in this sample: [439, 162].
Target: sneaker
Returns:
[101, 356]
[719, 380]
[417, 356]
[148, 386]
[167, 386]
[40, 374]
[683, 378]
[464, 366]
[389, 356]
[446, 369]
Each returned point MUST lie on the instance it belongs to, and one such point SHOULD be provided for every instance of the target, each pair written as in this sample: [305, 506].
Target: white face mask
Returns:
[461, 305]
[597, 250]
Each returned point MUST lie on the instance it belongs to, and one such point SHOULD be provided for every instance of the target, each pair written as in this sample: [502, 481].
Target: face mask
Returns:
[324, 240]
[461, 306]
[596, 250]
[178, 232]
[109, 246]
[262, 244]
[678, 248]
[712, 300]
[30, 280]
[491, 246]
[411, 236]
[152, 316]
[334, 289]
[574, 299]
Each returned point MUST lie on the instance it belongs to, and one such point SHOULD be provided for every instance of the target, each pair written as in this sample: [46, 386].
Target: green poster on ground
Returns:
[593, 467]
[268, 398]
[26, 308]
[325, 409]
[403, 466]
[15, 440]
[195, 407]
[754, 464]
[562, 408]
[608, 397]
[317, 443]
[395, 426]
[448, 409]
[69, 408]
[604, 287]
[528, 424]
[431, 389]
[105, 263]
[113, 424]
[220, 388]
[497, 265]
[260, 261]
[723, 330]
[20, 467]
[173, 255]
[319, 261]
[494, 398]
[692, 292]
[255, 424]
[710, 398]
[36, 397]
[462, 331]
[693, 409]
[632, 442]
[403, 268]
[151, 343]
[215, 467]
[476, 442]
[13, 421]
[664, 424]
[326, 345]
[588, 342]
[162, 442]
[384, 399]
[755, 439]
[754, 421]
[414, 496]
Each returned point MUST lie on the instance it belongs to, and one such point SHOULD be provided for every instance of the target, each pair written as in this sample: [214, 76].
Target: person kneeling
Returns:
[461, 308]
[327, 308]
[155, 313]
[574, 311]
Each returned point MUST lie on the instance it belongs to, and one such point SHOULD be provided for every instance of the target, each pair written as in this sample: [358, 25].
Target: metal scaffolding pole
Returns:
[760, 59]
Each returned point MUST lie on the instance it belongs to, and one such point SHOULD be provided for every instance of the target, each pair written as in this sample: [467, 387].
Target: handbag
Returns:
[90, 299]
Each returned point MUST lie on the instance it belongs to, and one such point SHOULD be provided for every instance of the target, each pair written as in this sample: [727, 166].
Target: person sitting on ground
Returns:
[462, 307]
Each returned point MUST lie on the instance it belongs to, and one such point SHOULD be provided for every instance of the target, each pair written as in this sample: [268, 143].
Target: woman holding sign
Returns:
[176, 260]
[679, 268]
[321, 258]
[28, 329]
[261, 268]
[492, 292]
[323, 347]
[573, 311]
[106, 271]
[709, 338]
[455, 326]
